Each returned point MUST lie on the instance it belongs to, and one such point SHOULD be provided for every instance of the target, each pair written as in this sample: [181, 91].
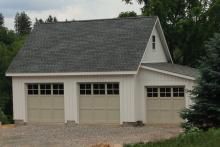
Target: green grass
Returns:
[210, 138]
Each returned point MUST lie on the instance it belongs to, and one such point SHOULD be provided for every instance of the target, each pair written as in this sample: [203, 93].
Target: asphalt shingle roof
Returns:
[85, 46]
[174, 68]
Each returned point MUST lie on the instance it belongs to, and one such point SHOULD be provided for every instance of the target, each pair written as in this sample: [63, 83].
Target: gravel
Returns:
[82, 135]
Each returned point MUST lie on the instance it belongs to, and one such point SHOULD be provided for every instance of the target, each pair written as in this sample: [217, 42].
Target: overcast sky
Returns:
[64, 9]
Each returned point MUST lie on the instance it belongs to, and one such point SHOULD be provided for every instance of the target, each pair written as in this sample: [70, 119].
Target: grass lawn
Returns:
[201, 139]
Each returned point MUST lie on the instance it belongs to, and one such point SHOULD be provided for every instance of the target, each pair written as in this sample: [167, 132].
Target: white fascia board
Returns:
[169, 73]
[164, 41]
[147, 44]
[70, 74]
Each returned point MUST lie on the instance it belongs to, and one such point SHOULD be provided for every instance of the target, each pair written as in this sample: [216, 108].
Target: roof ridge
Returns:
[102, 19]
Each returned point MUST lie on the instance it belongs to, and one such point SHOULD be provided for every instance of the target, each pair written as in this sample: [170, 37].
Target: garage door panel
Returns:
[45, 109]
[86, 116]
[176, 115]
[164, 110]
[34, 115]
[113, 102]
[153, 116]
[166, 116]
[153, 103]
[166, 104]
[179, 103]
[99, 116]
[99, 102]
[34, 102]
[58, 115]
[46, 103]
[46, 115]
[58, 102]
[86, 102]
[113, 116]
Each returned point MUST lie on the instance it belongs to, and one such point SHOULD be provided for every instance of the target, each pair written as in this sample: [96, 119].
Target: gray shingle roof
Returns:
[85, 46]
[174, 68]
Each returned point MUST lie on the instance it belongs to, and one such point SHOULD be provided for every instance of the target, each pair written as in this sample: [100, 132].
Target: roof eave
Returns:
[164, 41]
[169, 73]
[71, 74]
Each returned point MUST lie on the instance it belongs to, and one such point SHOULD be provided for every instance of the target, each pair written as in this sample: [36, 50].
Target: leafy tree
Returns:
[39, 21]
[10, 43]
[187, 25]
[127, 14]
[205, 112]
[1, 20]
[22, 23]
[51, 19]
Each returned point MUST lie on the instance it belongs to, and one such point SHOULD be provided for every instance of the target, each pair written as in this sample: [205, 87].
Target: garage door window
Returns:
[45, 89]
[152, 92]
[85, 89]
[99, 89]
[58, 89]
[113, 89]
[165, 92]
[178, 92]
[32, 89]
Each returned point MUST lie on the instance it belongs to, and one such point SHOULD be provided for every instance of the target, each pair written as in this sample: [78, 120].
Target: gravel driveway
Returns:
[81, 136]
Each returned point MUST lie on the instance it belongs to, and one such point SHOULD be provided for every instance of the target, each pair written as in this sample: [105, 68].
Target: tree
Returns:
[1, 20]
[185, 21]
[51, 19]
[190, 22]
[10, 43]
[22, 23]
[38, 21]
[205, 112]
[127, 14]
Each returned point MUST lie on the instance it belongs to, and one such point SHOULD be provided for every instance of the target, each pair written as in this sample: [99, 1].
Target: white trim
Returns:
[146, 45]
[70, 74]
[164, 39]
[169, 73]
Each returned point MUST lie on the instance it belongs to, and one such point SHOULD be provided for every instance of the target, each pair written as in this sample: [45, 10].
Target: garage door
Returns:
[45, 103]
[164, 104]
[99, 103]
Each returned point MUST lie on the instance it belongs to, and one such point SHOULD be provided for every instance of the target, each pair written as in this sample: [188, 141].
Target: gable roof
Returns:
[174, 68]
[85, 46]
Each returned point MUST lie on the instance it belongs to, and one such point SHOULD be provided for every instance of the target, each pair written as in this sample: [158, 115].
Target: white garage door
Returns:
[45, 103]
[99, 103]
[164, 104]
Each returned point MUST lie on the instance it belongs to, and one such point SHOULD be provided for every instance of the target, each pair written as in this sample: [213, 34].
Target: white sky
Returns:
[64, 9]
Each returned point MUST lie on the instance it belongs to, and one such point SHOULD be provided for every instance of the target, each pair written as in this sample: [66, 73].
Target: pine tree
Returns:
[1, 20]
[22, 23]
[205, 112]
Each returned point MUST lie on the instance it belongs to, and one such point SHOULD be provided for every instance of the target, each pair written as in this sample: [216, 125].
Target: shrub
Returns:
[3, 117]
